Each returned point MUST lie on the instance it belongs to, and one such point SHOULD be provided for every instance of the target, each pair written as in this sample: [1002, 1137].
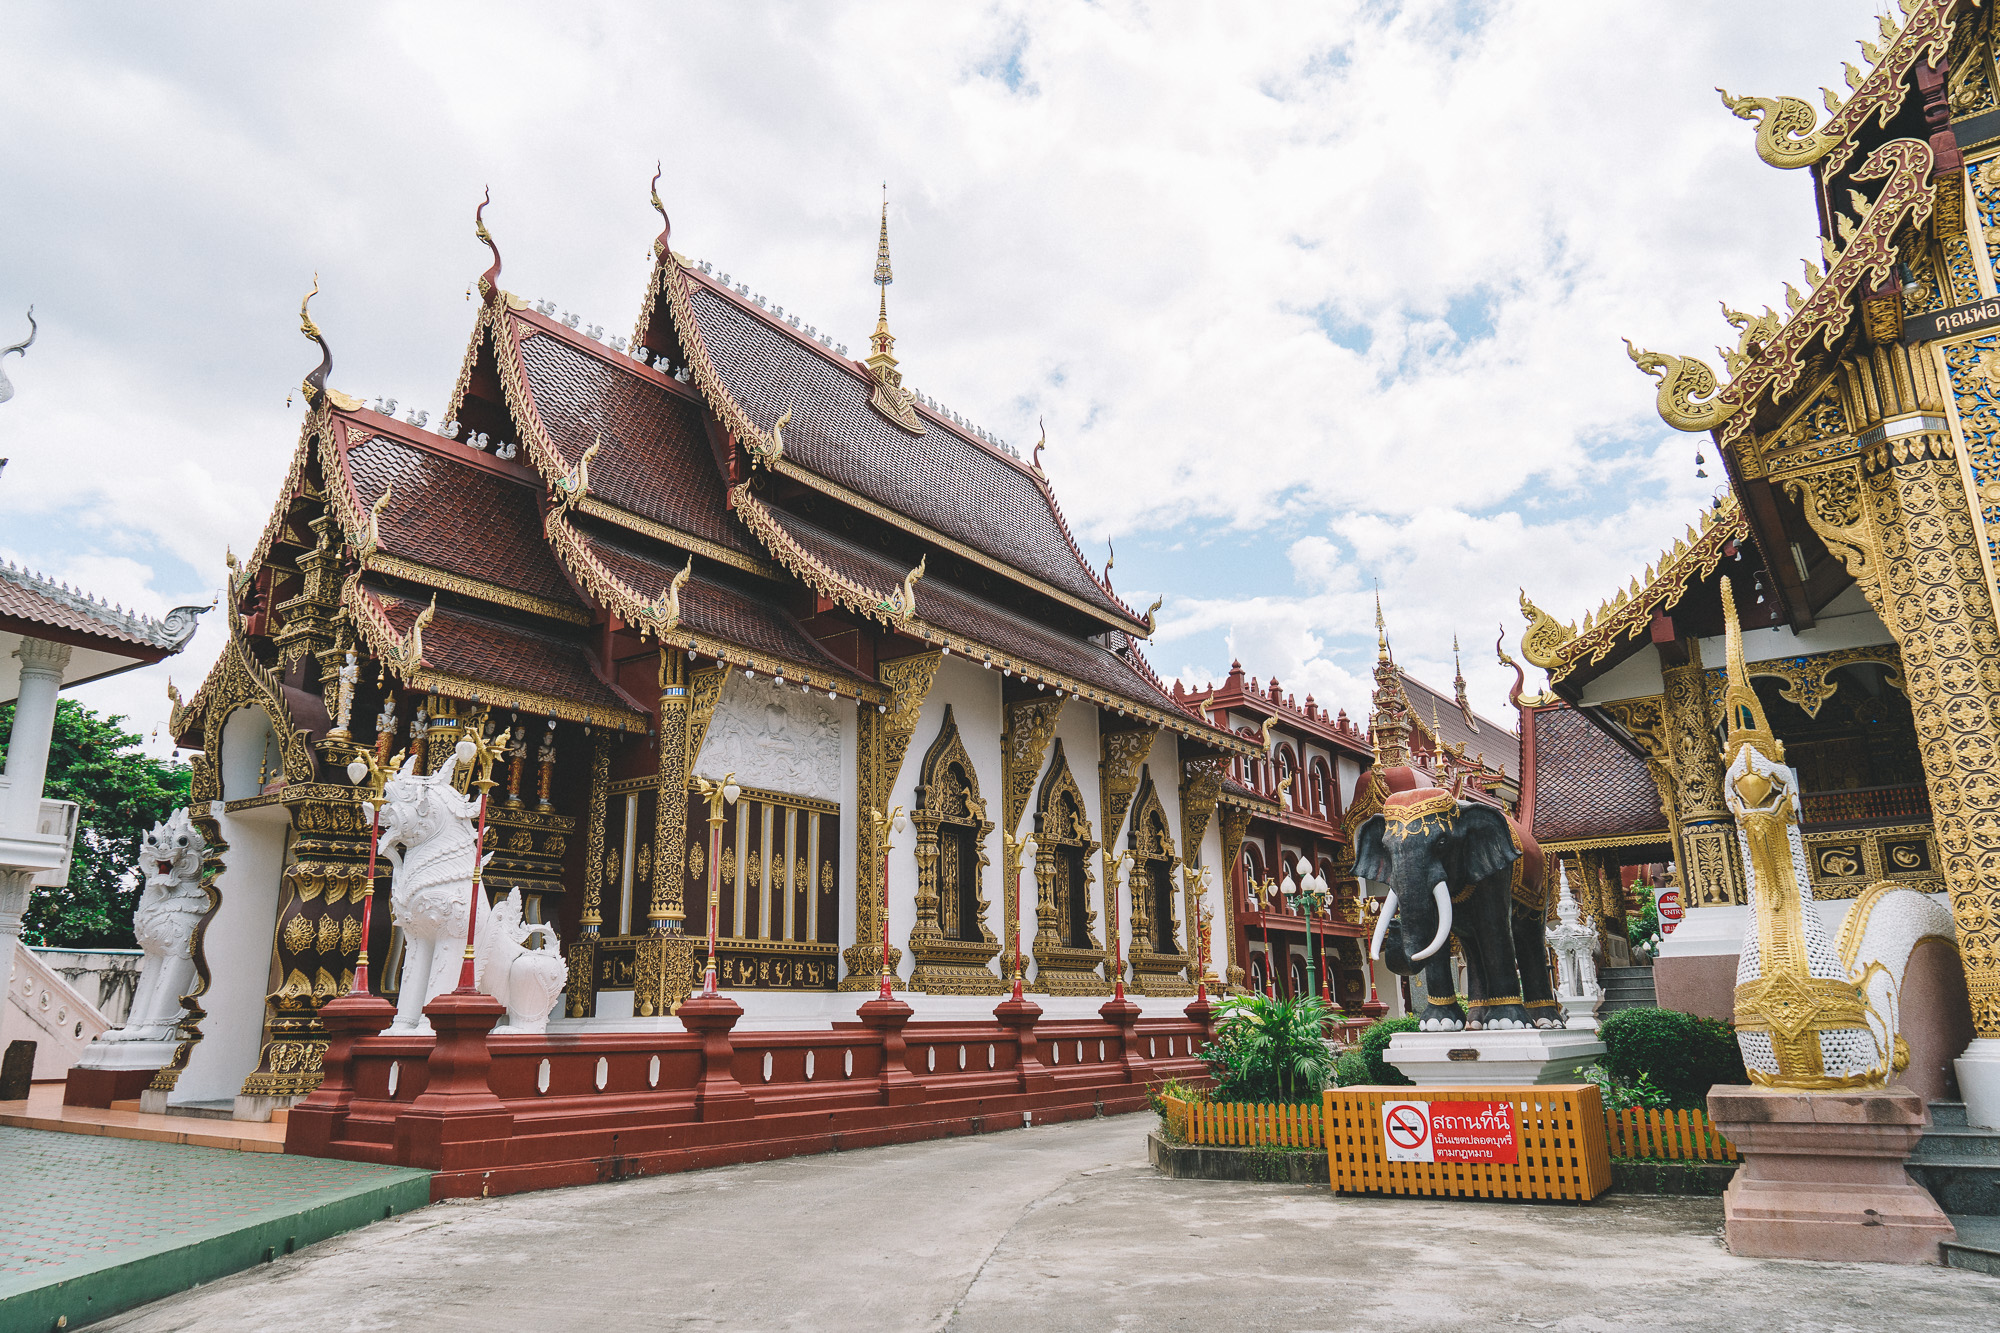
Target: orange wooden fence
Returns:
[1558, 1136]
[1252, 1125]
[1672, 1135]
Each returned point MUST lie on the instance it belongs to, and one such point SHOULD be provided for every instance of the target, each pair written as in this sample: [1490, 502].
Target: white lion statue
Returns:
[427, 836]
[170, 907]
[527, 978]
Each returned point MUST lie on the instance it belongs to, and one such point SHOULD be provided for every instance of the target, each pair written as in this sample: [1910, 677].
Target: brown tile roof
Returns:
[517, 663]
[1499, 744]
[29, 597]
[943, 479]
[964, 613]
[1587, 785]
[455, 515]
[655, 462]
[716, 609]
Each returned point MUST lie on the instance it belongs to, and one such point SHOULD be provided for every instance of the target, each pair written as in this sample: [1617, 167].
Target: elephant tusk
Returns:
[1382, 926]
[1443, 895]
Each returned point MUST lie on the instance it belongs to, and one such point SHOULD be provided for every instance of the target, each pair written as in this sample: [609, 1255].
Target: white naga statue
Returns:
[1575, 945]
[170, 907]
[1811, 1013]
[520, 965]
[427, 834]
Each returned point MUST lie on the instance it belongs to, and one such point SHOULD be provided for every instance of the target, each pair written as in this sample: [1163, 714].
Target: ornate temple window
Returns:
[1158, 963]
[1067, 951]
[951, 941]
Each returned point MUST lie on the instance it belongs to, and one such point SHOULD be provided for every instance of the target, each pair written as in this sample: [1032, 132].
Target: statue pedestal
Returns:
[1979, 1082]
[1502, 1058]
[1580, 1011]
[110, 1071]
[1822, 1175]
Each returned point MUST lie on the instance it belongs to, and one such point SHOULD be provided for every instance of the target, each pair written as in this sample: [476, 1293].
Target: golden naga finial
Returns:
[1742, 711]
[572, 487]
[413, 645]
[670, 602]
[1689, 397]
[769, 457]
[372, 541]
[173, 695]
[904, 604]
[1152, 614]
[1039, 445]
[1269, 723]
[314, 384]
[1543, 641]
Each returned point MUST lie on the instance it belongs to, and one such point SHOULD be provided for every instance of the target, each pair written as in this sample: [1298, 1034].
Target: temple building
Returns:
[1856, 433]
[718, 550]
[1294, 809]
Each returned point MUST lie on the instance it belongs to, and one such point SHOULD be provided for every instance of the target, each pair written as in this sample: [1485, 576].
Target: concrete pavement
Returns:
[1058, 1228]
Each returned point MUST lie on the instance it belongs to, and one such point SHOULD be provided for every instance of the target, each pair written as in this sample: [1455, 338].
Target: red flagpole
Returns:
[360, 986]
[466, 980]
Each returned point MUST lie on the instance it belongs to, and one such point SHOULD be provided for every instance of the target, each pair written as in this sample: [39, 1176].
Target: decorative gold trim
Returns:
[1664, 838]
[593, 507]
[433, 577]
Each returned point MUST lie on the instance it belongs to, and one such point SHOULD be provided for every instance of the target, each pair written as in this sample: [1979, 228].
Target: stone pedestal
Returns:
[318, 1120]
[1580, 1011]
[1493, 1058]
[1202, 1011]
[1021, 1016]
[718, 1096]
[1979, 1082]
[456, 1123]
[899, 1086]
[1124, 1015]
[1823, 1178]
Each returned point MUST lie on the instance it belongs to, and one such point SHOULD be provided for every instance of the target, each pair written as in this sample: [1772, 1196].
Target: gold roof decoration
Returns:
[1742, 711]
[1559, 649]
[1788, 131]
[1774, 357]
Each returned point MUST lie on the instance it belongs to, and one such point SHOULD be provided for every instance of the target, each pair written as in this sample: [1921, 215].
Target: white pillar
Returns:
[42, 666]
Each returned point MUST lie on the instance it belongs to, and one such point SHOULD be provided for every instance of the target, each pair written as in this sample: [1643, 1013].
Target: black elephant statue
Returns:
[1460, 870]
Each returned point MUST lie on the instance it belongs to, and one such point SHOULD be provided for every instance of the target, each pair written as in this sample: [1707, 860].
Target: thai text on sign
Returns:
[1449, 1132]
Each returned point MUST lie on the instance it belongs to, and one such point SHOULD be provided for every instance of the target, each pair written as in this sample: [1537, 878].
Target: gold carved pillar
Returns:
[667, 912]
[1711, 870]
[1235, 824]
[1123, 754]
[881, 740]
[583, 951]
[1201, 790]
[1902, 523]
[1031, 724]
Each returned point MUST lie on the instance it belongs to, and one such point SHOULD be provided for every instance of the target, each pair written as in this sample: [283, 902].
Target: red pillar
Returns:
[718, 1096]
[457, 1124]
[317, 1121]
[899, 1086]
[1021, 1016]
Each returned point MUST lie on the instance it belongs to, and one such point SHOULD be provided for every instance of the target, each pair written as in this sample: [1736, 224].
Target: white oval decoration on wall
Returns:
[653, 1073]
[1152, 1048]
[395, 1075]
[809, 1066]
[961, 1057]
[603, 1072]
[542, 1076]
[992, 1057]
[768, 1063]
[1079, 1052]
[1100, 1050]
[849, 1072]
[930, 1058]
[1055, 1052]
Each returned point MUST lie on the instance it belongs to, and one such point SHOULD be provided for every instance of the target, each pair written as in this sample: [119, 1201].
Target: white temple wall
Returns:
[238, 945]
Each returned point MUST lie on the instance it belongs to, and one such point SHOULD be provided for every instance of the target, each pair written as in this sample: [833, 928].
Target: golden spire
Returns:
[1741, 709]
[881, 357]
[1381, 634]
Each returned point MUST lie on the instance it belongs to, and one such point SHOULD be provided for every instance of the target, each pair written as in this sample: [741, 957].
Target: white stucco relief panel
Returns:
[775, 738]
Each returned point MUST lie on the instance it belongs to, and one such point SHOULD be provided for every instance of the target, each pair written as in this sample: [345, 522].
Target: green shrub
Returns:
[1351, 1069]
[1269, 1050]
[1680, 1055]
[1375, 1043]
[1644, 1095]
[1160, 1097]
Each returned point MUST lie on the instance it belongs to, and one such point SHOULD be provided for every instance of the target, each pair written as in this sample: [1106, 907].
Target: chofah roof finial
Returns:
[882, 344]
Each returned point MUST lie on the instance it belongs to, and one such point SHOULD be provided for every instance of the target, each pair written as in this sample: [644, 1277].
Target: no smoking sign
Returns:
[1449, 1132]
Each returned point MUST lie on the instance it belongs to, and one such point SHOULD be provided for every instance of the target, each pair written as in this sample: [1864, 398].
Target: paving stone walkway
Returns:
[1058, 1228]
[95, 1225]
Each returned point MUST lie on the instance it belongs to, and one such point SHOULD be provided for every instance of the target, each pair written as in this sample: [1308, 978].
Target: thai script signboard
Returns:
[1449, 1132]
[1969, 318]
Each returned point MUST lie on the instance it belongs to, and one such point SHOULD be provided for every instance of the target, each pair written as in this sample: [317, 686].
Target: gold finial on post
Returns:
[882, 344]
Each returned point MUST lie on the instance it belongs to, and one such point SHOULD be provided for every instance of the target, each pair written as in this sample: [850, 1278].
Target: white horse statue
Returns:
[1811, 1013]
[427, 836]
[170, 907]
[527, 978]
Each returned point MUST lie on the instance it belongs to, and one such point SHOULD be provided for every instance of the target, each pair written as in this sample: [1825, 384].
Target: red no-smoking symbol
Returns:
[1407, 1127]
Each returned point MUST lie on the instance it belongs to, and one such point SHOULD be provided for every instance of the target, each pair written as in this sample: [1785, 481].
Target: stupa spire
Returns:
[882, 344]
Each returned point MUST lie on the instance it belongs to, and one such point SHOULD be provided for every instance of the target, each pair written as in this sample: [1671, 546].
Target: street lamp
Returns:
[1307, 895]
[1115, 870]
[368, 773]
[717, 794]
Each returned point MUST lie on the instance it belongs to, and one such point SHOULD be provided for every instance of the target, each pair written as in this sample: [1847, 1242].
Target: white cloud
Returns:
[1345, 276]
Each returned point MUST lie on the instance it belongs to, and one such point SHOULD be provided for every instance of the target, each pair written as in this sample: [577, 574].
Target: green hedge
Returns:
[1374, 1044]
[1681, 1054]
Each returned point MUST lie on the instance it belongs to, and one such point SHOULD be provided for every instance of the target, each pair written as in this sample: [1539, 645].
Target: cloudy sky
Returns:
[1310, 296]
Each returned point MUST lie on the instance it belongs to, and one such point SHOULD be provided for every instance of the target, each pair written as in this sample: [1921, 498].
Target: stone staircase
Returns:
[1626, 988]
[1960, 1166]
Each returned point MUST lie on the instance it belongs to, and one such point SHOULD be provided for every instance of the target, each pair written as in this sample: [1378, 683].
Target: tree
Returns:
[120, 793]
